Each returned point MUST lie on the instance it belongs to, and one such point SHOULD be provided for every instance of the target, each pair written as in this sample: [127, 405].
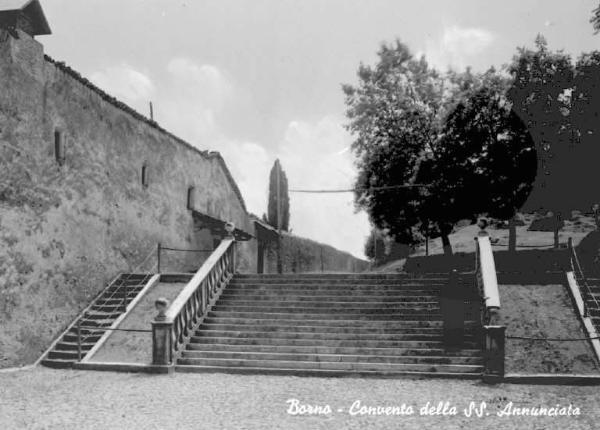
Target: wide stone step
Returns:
[322, 293]
[57, 363]
[331, 323]
[265, 297]
[333, 350]
[348, 281]
[329, 304]
[116, 302]
[87, 323]
[114, 308]
[112, 292]
[342, 286]
[321, 316]
[64, 354]
[346, 343]
[72, 346]
[382, 329]
[322, 336]
[86, 335]
[334, 279]
[99, 315]
[335, 358]
[322, 373]
[324, 365]
[343, 275]
[129, 283]
[396, 310]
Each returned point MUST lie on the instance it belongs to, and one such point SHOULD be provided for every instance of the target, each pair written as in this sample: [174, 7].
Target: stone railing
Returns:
[174, 325]
[487, 284]
[487, 281]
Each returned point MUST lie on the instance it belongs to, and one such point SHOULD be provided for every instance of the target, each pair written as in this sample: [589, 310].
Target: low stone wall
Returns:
[300, 255]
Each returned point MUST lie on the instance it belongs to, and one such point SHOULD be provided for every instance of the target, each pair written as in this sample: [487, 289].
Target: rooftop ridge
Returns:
[209, 155]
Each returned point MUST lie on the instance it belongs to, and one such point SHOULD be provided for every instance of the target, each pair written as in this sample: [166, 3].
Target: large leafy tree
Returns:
[278, 172]
[487, 159]
[396, 114]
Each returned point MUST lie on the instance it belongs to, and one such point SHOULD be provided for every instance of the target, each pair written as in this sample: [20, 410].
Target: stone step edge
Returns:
[322, 373]
[330, 357]
[217, 340]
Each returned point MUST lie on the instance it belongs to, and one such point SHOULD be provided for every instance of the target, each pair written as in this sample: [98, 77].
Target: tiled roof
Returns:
[32, 9]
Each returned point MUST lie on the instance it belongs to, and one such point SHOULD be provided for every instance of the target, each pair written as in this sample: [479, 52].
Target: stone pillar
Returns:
[161, 343]
[230, 229]
[161, 335]
[494, 351]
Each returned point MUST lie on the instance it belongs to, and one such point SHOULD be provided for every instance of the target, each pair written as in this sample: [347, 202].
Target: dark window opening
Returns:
[191, 194]
[59, 147]
[144, 176]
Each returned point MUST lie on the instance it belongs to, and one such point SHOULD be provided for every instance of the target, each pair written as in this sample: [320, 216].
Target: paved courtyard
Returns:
[57, 399]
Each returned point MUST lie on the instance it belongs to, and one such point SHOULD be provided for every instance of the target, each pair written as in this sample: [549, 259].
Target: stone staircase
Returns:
[331, 325]
[101, 313]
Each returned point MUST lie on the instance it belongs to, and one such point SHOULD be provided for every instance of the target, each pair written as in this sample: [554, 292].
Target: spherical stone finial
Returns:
[482, 223]
[229, 228]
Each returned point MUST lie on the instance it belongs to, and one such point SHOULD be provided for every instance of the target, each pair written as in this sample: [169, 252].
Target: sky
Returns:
[261, 79]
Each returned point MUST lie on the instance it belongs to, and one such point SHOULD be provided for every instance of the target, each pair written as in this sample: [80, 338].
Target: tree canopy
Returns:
[285, 199]
[449, 143]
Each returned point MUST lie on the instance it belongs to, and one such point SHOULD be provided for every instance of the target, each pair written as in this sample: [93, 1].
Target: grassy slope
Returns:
[462, 239]
[543, 311]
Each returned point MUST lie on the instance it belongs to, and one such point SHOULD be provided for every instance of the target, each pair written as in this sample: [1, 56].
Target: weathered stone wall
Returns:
[300, 255]
[66, 230]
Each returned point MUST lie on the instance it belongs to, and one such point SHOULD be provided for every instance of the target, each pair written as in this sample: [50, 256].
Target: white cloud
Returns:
[205, 82]
[126, 83]
[458, 47]
[315, 156]
[192, 99]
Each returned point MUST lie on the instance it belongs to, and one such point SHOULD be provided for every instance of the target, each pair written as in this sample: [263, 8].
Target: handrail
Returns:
[186, 311]
[487, 280]
[585, 288]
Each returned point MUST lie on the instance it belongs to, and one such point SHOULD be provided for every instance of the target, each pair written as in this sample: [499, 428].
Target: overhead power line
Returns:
[352, 190]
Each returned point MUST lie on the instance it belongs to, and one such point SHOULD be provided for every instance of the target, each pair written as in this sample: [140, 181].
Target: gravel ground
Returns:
[58, 399]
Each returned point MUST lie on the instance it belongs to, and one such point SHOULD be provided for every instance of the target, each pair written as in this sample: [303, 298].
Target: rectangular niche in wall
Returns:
[59, 147]
[145, 175]
[191, 198]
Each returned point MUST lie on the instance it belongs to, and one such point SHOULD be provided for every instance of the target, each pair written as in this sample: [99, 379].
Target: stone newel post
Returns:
[230, 229]
[161, 335]
[494, 353]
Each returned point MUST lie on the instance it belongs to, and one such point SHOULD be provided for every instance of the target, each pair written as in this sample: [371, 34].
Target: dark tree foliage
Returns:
[285, 199]
[540, 93]
[585, 120]
[398, 114]
[395, 114]
[487, 160]
[595, 20]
